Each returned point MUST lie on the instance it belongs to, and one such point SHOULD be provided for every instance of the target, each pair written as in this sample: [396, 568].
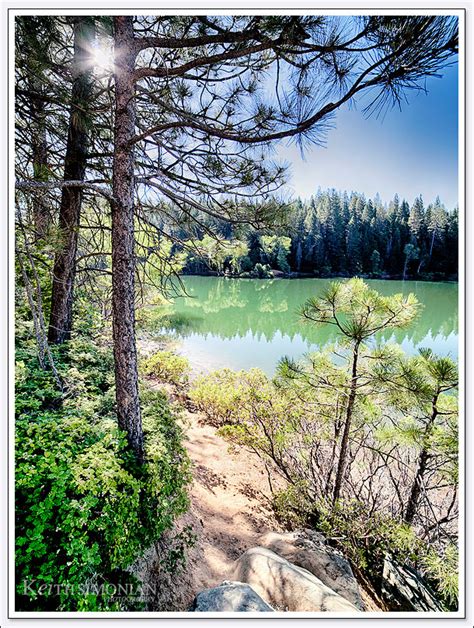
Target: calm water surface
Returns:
[245, 323]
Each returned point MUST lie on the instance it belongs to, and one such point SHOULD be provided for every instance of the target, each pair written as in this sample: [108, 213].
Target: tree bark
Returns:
[123, 238]
[39, 146]
[60, 322]
[405, 266]
[433, 236]
[423, 458]
[341, 466]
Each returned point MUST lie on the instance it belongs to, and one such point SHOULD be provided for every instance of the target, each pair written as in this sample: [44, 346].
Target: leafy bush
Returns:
[442, 570]
[292, 506]
[85, 511]
[262, 271]
[216, 395]
[167, 367]
[246, 264]
[222, 395]
[366, 537]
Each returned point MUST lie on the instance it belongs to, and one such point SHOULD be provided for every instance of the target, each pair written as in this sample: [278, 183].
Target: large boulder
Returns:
[405, 590]
[285, 585]
[229, 597]
[308, 549]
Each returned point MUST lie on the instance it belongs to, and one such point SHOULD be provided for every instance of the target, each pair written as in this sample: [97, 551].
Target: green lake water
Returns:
[245, 323]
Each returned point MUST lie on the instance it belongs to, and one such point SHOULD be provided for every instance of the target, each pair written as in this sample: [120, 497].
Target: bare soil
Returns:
[230, 500]
[230, 508]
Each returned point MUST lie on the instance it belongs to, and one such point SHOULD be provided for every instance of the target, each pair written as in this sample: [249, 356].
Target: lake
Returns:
[245, 323]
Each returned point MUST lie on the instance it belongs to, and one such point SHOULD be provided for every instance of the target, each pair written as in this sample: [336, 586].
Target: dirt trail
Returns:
[230, 502]
[230, 508]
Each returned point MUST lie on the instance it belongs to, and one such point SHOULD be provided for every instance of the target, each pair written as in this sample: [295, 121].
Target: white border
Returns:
[13, 12]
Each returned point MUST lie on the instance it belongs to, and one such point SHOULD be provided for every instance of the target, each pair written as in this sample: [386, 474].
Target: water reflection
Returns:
[243, 322]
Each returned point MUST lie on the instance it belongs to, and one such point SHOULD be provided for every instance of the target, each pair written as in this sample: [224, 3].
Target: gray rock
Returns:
[307, 549]
[287, 586]
[229, 597]
[405, 590]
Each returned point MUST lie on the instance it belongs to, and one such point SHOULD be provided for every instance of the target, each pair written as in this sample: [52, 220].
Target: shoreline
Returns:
[295, 275]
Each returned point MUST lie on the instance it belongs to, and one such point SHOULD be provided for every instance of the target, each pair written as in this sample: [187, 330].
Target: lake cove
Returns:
[245, 323]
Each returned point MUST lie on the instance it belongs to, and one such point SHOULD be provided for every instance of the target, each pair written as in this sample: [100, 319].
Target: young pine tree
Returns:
[357, 312]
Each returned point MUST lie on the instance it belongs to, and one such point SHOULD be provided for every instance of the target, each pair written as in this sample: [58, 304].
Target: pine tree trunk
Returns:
[60, 322]
[405, 267]
[432, 242]
[341, 466]
[123, 257]
[39, 146]
[417, 486]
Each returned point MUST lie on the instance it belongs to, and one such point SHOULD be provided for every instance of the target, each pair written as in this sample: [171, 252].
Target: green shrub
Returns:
[85, 511]
[292, 506]
[221, 395]
[366, 537]
[167, 367]
[246, 264]
[216, 395]
[262, 271]
[442, 569]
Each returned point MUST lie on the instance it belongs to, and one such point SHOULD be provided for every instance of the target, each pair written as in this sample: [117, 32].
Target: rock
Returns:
[287, 586]
[405, 590]
[307, 549]
[229, 597]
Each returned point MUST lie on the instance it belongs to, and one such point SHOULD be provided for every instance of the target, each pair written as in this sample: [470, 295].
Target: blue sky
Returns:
[413, 151]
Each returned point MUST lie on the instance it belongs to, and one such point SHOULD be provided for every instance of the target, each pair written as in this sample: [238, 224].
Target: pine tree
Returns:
[436, 223]
[354, 245]
[422, 390]
[416, 219]
[357, 312]
[60, 321]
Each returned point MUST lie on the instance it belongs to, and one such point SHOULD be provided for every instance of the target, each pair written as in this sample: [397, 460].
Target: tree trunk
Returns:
[39, 146]
[432, 242]
[40, 338]
[60, 322]
[405, 267]
[123, 237]
[417, 486]
[422, 261]
[341, 466]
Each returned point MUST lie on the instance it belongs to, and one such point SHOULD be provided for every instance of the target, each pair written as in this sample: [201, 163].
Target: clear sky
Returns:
[410, 152]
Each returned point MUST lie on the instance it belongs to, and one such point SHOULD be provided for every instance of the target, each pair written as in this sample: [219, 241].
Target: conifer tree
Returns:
[75, 160]
[422, 390]
[357, 312]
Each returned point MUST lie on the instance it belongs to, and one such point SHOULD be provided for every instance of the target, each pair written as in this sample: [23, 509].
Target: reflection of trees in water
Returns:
[230, 308]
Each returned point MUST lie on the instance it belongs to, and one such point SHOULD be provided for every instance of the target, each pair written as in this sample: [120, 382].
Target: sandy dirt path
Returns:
[230, 502]
[230, 508]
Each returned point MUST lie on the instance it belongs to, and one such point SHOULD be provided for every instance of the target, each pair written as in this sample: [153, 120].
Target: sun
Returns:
[103, 58]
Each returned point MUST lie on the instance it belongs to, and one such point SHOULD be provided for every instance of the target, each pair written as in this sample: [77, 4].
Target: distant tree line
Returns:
[337, 234]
